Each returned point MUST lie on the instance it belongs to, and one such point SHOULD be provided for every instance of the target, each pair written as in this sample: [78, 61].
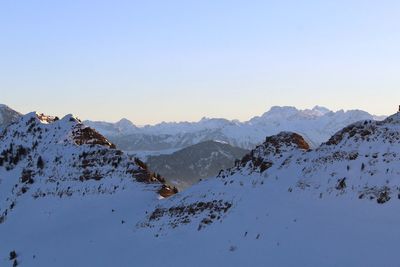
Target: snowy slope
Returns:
[287, 205]
[56, 178]
[316, 125]
[283, 204]
[43, 156]
[7, 116]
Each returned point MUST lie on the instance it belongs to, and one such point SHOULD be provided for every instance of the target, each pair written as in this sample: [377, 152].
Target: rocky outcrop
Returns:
[63, 158]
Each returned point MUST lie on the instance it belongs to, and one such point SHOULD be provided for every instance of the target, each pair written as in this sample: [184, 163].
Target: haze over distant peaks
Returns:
[316, 125]
[66, 185]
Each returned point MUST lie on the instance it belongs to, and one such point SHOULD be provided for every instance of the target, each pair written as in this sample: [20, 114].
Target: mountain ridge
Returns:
[315, 111]
[44, 155]
[7, 116]
[284, 202]
[316, 125]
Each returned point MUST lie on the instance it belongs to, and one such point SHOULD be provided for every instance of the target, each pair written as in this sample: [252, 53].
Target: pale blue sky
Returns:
[151, 61]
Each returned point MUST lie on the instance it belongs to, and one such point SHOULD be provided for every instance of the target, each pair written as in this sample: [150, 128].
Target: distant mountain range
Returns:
[316, 125]
[68, 197]
[284, 201]
[185, 152]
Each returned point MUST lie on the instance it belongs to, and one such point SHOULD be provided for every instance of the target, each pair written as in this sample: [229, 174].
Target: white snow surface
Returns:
[7, 115]
[50, 208]
[282, 205]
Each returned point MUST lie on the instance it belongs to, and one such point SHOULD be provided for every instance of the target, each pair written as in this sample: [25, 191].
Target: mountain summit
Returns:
[7, 116]
[316, 125]
[42, 157]
[283, 200]
[64, 184]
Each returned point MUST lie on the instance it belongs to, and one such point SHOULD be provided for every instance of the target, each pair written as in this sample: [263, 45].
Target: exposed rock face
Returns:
[262, 157]
[359, 162]
[167, 191]
[278, 205]
[368, 131]
[286, 140]
[86, 135]
[59, 157]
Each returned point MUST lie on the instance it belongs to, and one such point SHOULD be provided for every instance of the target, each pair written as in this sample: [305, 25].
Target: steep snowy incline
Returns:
[286, 205]
[7, 116]
[283, 204]
[63, 184]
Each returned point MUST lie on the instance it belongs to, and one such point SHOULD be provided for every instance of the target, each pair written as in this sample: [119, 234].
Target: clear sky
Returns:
[152, 61]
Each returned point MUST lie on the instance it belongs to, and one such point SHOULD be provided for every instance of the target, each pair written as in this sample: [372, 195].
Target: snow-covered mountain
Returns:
[59, 169]
[316, 125]
[185, 167]
[7, 116]
[283, 204]
[121, 127]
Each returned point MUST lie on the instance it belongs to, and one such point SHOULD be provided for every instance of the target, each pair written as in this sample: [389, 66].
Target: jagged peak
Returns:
[85, 135]
[48, 119]
[366, 129]
[44, 148]
[39, 117]
[125, 122]
[321, 108]
[71, 118]
[281, 111]
[43, 118]
[265, 155]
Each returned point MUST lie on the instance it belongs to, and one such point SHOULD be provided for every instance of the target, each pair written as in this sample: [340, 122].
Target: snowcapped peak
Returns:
[269, 153]
[314, 113]
[7, 116]
[276, 113]
[369, 131]
[70, 118]
[204, 119]
[320, 110]
[31, 116]
[281, 111]
[65, 158]
[125, 125]
[124, 122]
[41, 118]
[46, 118]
